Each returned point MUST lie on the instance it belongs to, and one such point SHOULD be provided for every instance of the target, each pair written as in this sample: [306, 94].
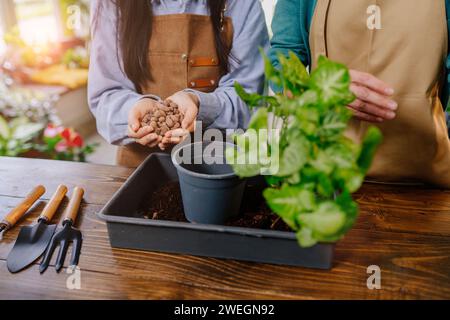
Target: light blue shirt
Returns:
[111, 94]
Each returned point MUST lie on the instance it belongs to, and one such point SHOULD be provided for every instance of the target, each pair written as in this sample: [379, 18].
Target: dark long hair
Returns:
[134, 32]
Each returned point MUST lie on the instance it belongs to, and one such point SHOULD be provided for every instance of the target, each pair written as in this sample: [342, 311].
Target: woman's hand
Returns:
[142, 135]
[373, 98]
[188, 105]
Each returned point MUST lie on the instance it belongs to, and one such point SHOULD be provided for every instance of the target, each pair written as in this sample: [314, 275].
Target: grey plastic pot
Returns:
[210, 190]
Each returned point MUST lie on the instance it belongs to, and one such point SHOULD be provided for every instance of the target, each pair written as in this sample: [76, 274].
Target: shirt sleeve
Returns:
[223, 109]
[111, 94]
[287, 31]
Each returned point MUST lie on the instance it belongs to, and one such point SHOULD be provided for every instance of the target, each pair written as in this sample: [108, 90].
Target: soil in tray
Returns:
[165, 204]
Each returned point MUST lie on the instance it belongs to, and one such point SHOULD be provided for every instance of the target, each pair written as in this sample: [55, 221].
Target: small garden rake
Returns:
[65, 235]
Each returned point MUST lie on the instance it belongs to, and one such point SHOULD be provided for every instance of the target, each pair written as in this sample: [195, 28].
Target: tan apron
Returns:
[409, 53]
[182, 54]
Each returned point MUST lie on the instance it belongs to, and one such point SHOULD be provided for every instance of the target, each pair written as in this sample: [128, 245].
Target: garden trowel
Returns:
[33, 240]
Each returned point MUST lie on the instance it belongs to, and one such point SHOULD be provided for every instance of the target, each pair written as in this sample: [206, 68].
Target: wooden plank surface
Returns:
[403, 230]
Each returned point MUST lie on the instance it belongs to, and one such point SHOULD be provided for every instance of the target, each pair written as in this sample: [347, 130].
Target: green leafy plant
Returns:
[16, 136]
[318, 166]
[21, 135]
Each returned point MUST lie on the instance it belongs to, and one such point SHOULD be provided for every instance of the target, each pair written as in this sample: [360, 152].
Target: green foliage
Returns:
[289, 201]
[318, 168]
[20, 135]
[17, 135]
[254, 99]
[369, 146]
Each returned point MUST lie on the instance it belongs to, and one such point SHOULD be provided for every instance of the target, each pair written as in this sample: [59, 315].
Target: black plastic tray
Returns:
[128, 229]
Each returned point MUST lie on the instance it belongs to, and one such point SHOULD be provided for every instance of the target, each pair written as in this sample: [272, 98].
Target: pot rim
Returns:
[201, 175]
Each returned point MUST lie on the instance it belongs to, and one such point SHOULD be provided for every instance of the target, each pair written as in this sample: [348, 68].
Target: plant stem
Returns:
[272, 226]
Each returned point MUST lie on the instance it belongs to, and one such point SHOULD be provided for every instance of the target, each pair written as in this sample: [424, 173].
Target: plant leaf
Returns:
[5, 131]
[350, 207]
[259, 119]
[14, 123]
[27, 131]
[289, 201]
[332, 80]
[305, 238]
[271, 73]
[243, 170]
[324, 222]
[246, 159]
[294, 74]
[294, 156]
[370, 143]
[254, 100]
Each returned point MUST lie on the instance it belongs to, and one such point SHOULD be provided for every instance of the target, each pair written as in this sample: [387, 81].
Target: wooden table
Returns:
[403, 230]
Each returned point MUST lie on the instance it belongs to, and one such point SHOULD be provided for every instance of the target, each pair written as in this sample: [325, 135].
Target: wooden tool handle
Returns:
[18, 212]
[74, 204]
[51, 207]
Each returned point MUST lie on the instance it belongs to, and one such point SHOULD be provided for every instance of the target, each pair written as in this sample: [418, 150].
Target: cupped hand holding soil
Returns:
[166, 116]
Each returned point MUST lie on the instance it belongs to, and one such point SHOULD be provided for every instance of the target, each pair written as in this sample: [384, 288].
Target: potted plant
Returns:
[211, 191]
[310, 167]
[317, 166]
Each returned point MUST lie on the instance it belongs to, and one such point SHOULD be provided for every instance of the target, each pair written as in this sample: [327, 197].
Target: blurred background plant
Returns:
[44, 60]
[21, 137]
[17, 136]
[60, 143]
[44, 55]
[16, 101]
[77, 57]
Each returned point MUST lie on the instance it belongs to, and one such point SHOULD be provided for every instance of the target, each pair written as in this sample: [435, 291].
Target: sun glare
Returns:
[39, 31]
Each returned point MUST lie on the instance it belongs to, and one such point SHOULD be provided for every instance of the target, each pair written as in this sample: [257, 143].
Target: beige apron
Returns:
[409, 53]
[182, 54]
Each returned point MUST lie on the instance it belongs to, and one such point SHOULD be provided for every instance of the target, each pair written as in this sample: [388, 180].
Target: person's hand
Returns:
[373, 98]
[188, 105]
[142, 135]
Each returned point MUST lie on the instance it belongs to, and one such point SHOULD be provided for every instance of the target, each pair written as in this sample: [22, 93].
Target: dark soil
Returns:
[165, 204]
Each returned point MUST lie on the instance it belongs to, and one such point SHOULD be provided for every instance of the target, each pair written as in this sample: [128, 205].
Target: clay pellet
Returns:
[164, 118]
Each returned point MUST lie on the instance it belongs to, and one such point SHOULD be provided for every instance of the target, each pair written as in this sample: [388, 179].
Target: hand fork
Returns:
[63, 236]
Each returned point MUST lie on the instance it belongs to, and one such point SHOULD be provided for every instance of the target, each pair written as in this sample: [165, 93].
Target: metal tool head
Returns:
[30, 245]
[62, 238]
